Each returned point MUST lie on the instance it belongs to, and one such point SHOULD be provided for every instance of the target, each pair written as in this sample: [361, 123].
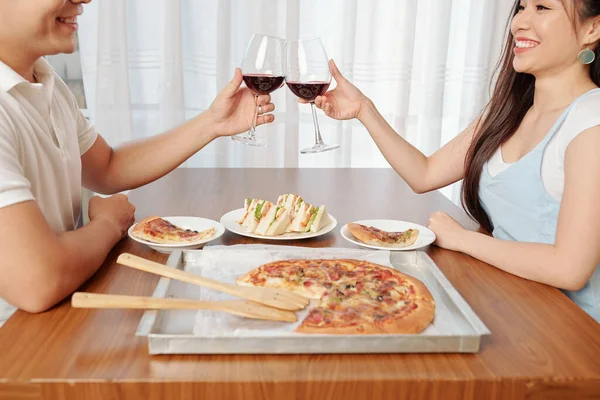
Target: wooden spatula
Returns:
[241, 308]
[278, 298]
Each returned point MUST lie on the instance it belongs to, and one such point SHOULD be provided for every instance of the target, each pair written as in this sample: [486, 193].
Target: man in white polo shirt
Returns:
[48, 150]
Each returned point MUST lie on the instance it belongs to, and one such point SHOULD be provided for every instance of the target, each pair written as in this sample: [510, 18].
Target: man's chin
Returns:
[61, 50]
[63, 46]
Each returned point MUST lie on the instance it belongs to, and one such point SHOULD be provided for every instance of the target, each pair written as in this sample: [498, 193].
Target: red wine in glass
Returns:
[263, 71]
[263, 84]
[308, 90]
[308, 76]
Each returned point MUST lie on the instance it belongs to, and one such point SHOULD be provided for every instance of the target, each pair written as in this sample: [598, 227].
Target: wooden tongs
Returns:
[265, 303]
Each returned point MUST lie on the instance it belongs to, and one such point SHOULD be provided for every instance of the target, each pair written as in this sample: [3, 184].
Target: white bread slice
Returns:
[321, 220]
[292, 201]
[297, 207]
[281, 222]
[289, 201]
[250, 209]
[266, 220]
[303, 215]
[254, 215]
[296, 218]
[247, 203]
[281, 200]
[266, 209]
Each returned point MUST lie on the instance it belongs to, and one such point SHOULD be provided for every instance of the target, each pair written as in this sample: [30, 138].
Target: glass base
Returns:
[319, 148]
[249, 140]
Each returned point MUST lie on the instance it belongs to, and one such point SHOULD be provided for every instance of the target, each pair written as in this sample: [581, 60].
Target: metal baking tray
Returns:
[456, 328]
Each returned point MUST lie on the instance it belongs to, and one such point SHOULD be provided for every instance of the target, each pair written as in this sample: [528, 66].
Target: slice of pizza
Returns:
[158, 230]
[302, 277]
[377, 237]
[408, 316]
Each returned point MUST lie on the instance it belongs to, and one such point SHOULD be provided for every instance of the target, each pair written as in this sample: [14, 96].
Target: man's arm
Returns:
[135, 164]
[39, 267]
[110, 171]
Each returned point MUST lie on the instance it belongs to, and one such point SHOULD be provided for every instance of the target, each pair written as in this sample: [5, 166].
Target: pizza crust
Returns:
[414, 322]
[364, 329]
[421, 291]
[363, 235]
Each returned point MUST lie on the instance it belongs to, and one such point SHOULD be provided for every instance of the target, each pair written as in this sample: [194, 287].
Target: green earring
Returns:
[586, 56]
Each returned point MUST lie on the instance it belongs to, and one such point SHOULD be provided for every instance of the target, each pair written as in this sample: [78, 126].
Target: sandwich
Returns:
[274, 222]
[290, 214]
[302, 216]
[256, 211]
[247, 203]
[289, 201]
[319, 220]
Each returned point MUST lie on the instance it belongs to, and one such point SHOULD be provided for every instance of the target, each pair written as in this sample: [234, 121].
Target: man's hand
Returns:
[116, 209]
[233, 109]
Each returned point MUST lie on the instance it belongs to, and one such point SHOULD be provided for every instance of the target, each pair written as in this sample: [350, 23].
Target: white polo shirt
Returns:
[42, 138]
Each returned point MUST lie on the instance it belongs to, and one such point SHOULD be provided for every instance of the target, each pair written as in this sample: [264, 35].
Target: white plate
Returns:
[228, 221]
[426, 235]
[193, 223]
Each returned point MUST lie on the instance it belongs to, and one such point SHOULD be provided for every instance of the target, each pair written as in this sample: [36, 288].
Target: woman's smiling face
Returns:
[545, 37]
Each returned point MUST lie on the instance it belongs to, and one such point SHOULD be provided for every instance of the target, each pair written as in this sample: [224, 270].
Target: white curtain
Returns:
[151, 64]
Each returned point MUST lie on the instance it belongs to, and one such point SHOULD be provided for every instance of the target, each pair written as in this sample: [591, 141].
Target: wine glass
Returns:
[263, 71]
[308, 76]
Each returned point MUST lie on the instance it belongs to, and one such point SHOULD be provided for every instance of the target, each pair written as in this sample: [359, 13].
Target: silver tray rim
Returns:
[464, 343]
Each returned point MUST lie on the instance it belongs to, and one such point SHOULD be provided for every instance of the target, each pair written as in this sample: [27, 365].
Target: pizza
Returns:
[157, 230]
[377, 237]
[352, 296]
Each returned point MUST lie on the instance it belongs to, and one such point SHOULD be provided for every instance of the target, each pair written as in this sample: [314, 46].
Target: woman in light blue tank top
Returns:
[551, 63]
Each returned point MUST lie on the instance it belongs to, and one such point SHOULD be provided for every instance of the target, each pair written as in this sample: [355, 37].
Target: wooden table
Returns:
[542, 345]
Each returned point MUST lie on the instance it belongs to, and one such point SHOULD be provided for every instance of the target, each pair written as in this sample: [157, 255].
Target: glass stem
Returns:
[318, 139]
[253, 127]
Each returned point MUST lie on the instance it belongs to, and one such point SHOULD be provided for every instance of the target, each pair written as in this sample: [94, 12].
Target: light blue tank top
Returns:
[520, 209]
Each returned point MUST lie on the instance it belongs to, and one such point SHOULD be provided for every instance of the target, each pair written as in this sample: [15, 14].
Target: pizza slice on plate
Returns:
[158, 230]
[377, 237]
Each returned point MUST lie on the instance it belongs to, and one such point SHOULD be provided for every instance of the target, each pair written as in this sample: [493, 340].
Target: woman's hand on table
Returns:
[448, 231]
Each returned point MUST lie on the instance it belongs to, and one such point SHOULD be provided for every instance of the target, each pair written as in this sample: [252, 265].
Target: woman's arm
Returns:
[570, 262]
[422, 173]
[109, 171]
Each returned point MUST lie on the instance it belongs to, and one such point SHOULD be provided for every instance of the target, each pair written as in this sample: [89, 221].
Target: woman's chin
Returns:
[522, 67]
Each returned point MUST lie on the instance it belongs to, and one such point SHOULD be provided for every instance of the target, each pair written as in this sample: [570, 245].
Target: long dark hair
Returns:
[511, 99]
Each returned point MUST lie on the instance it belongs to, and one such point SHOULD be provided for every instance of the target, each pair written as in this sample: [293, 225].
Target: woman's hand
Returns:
[447, 230]
[343, 102]
[233, 109]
